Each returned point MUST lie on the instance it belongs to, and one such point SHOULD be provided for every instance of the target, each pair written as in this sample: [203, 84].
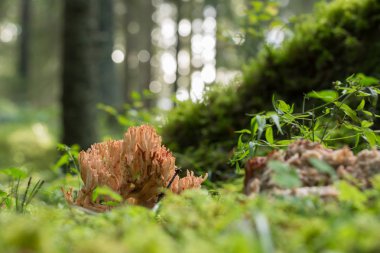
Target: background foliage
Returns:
[338, 40]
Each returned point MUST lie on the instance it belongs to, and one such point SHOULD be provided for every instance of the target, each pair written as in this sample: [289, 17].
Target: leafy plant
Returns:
[23, 200]
[344, 115]
[135, 113]
[68, 160]
[14, 173]
[333, 42]
[20, 199]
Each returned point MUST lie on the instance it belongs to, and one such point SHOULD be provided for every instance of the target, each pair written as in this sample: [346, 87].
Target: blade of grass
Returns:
[25, 194]
[34, 191]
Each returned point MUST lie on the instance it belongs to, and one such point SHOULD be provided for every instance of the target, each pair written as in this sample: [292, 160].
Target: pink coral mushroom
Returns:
[137, 167]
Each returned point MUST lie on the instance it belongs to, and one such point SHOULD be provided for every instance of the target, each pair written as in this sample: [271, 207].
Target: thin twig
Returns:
[162, 194]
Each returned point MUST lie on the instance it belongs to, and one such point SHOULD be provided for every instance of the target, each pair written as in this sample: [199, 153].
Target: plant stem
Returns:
[25, 194]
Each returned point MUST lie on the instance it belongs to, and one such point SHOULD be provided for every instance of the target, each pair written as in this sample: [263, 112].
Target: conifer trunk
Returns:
[78, 87]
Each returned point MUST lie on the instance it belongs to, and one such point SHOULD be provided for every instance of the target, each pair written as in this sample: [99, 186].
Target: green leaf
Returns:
[106, 191]
[8, 202]
[64, 159]
[374, 96]
[367, 80]
[257, 5]
[284, 175]
[366, 123]
[135, 96]
[351, 126]
[370, 136]
[368, 113]
[274, 104]
[253, 126]
[261, 123]
[322, 166]
[244, 154]
[264, 17]
[237, 167]
[74, 171]
[271, 9]
[276, 121]
[276, 23]
[62, 147]
[348, 111]
[3, 193]
[15, 173]
[244, 131]
[240, 141]
[361, 105]
[325, 95]
[357, 140]
[108, 109]
[284, 142]
[375, 180]
[123, 120]
[351, 195]
[316, 126]
[363, 94]
[269, 135]
[284, 107]
[111, 203]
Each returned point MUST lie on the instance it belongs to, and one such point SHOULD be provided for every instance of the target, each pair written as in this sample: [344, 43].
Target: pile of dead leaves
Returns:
[315, 166]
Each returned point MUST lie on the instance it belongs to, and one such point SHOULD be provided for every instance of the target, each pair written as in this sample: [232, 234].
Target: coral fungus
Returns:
[138, 168]
[357, 169]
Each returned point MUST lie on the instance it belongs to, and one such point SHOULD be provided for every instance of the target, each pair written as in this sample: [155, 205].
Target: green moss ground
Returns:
[198, 222]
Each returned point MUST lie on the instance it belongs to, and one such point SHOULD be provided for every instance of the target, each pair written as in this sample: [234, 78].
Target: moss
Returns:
[339, 39]
[195, 221]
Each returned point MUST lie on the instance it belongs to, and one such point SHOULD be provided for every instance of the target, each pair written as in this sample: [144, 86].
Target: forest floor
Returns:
[219, 220]
[197, 221]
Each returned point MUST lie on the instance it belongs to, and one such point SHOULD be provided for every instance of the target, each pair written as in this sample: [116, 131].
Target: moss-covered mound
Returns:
[340, 38]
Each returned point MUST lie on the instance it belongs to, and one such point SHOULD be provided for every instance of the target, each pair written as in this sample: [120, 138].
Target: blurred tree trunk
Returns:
[78, 87]
[3, 9]
[139, 26]
[24, 40]
[109, 90]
